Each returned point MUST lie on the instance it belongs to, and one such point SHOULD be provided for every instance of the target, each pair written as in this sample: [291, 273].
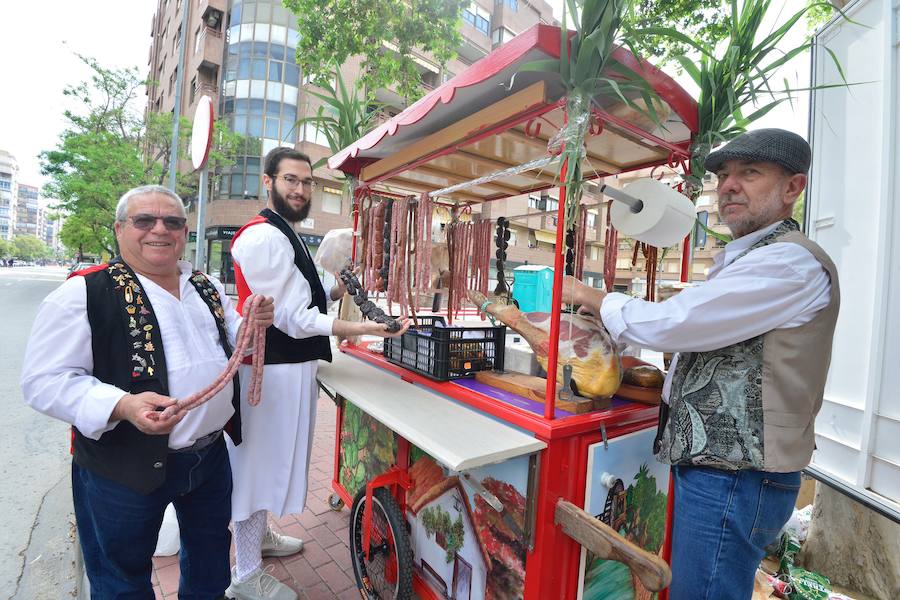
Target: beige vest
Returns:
[752, 405]
[795, 366]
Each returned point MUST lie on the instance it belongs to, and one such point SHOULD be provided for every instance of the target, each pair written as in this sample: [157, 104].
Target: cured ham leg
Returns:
[583, 343]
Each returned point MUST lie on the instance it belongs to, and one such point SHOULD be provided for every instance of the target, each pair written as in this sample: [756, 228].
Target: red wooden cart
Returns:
[459, 490]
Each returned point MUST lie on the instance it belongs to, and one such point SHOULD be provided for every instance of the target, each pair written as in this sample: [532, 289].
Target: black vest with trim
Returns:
[280, 347]
[128, 353]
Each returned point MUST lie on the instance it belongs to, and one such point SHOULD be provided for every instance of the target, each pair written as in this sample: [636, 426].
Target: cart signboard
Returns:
[626, 489]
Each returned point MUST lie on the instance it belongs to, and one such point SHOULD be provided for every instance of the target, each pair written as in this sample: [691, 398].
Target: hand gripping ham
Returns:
[583, 343]
[250, 335]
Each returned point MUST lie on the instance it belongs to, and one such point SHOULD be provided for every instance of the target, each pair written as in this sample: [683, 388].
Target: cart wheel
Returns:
[335, 502]
[387, 574]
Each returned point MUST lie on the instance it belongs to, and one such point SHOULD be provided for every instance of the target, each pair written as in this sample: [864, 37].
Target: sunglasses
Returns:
[148, 222]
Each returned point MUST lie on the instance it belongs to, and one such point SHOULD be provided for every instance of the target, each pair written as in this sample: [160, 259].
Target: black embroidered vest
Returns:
[280, 347]
[128, 353]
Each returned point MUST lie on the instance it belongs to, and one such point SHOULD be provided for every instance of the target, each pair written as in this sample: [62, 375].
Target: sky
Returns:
[37, 47]
[40, 39]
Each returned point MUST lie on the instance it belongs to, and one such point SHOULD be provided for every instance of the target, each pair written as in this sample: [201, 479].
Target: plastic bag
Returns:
[335, 251]
[798, 524]
[169, 541]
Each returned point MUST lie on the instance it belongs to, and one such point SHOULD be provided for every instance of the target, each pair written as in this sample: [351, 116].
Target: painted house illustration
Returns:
[447, 550]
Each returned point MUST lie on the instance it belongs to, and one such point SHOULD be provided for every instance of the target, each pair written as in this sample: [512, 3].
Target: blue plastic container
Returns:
[533, 288]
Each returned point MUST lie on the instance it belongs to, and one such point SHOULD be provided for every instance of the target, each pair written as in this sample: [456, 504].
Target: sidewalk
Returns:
[323, 570]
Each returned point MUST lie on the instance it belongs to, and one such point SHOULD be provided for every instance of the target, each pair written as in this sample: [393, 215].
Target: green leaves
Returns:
[735, 75]
[344, 116]
[383, 32]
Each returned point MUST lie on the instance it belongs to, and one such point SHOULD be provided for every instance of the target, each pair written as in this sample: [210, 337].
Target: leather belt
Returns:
[200, 443]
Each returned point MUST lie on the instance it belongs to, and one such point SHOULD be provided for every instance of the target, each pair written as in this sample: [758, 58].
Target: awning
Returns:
[493, 116]
[545, 236]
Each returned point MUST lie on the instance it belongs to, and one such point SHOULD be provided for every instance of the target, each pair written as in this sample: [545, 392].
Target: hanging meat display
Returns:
[583, 344]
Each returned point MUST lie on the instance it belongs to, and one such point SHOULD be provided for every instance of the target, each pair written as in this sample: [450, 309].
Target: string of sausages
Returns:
[250, 335]
[399, 256]
[580, 239]
[424, 217]
[611, 252]
[650, 264]
[481, 256]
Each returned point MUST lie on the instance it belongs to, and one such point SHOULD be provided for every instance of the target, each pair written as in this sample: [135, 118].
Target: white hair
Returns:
[143, 190]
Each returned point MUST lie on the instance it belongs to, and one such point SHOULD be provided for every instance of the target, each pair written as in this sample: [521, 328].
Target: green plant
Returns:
[345, 116]
[736, 75]
[587, 69]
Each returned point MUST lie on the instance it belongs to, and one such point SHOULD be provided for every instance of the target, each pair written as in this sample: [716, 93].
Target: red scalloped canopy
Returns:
[491, 116]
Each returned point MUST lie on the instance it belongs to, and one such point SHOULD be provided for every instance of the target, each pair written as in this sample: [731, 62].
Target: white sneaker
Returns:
[275, 544]
[261, 585]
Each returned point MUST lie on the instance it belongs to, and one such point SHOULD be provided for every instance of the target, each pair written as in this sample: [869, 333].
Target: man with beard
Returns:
[271, 466]
[754, 345]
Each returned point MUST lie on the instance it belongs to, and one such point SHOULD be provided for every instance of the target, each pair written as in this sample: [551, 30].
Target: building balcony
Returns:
[209, 49]
[208, 6]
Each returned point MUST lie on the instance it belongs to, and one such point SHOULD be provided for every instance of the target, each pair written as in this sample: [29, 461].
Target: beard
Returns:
[284, 209]
[766, 212]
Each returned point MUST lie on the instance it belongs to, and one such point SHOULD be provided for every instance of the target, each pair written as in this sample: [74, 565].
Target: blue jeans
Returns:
[118, 527]
[722, 522]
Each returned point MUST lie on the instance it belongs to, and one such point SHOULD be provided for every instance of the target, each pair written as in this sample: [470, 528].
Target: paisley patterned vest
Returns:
[752, 405]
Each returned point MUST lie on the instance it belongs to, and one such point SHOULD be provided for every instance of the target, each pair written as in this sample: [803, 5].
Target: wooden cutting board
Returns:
[535, 388]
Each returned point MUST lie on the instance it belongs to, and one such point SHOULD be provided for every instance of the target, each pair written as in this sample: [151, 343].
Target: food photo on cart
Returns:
[491, 451]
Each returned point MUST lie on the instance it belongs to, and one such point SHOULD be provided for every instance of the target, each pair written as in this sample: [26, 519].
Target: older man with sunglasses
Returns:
[113, 344]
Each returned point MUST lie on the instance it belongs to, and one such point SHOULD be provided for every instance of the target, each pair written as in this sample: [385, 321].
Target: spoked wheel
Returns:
[387, 573]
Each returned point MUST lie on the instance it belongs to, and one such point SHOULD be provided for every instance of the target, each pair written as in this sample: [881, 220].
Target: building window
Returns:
[501, 35]
[591, 220]
[511, 4]
[331, 200]
[193, 90]
[537, 202]
[197, 39]
[478, 18]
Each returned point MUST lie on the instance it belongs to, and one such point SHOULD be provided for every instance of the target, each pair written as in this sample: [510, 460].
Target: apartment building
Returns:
[242, 55]
[27, 211]
[9, 194]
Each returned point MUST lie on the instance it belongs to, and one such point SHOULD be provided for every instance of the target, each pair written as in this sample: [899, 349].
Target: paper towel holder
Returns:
[657, 214]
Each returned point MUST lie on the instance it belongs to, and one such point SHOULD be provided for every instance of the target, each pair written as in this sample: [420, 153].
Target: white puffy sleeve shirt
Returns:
[777, 286]
[266, 259]
[57, 372]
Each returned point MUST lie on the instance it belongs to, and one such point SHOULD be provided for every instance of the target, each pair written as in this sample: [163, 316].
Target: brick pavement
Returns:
[323, 570]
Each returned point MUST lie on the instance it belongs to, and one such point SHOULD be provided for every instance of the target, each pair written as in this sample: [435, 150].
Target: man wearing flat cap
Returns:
[754, 345]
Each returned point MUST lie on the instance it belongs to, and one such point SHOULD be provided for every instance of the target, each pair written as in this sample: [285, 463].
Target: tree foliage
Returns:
[703, 19]
[28, 247]
[108, 148]
[383, 32]
[6, 249]
[98, 156]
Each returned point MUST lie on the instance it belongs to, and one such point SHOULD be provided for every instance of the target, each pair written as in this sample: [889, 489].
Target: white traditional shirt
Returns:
[778, 286]
[261, 251]
[57, 375]
[270, 468]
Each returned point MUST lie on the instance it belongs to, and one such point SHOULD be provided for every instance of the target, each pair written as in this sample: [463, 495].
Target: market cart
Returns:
[459, 489]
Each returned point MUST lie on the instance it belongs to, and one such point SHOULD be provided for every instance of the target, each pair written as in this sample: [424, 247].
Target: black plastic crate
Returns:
[444, 353]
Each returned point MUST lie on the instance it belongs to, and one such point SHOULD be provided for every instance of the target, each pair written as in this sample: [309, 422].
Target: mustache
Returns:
[726, 199]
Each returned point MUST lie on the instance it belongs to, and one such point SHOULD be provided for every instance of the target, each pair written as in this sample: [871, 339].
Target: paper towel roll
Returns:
[665, 219]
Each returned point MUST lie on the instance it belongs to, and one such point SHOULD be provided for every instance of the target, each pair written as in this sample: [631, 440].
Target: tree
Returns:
[108, 148]
[698, 19]
[28, 247]
[98, 156]
[6, 249]
[383, 32]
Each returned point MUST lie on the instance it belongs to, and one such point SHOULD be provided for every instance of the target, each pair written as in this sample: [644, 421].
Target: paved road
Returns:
[35, 493]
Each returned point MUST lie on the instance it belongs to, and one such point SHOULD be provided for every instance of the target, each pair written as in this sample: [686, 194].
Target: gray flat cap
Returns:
[767, 145]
